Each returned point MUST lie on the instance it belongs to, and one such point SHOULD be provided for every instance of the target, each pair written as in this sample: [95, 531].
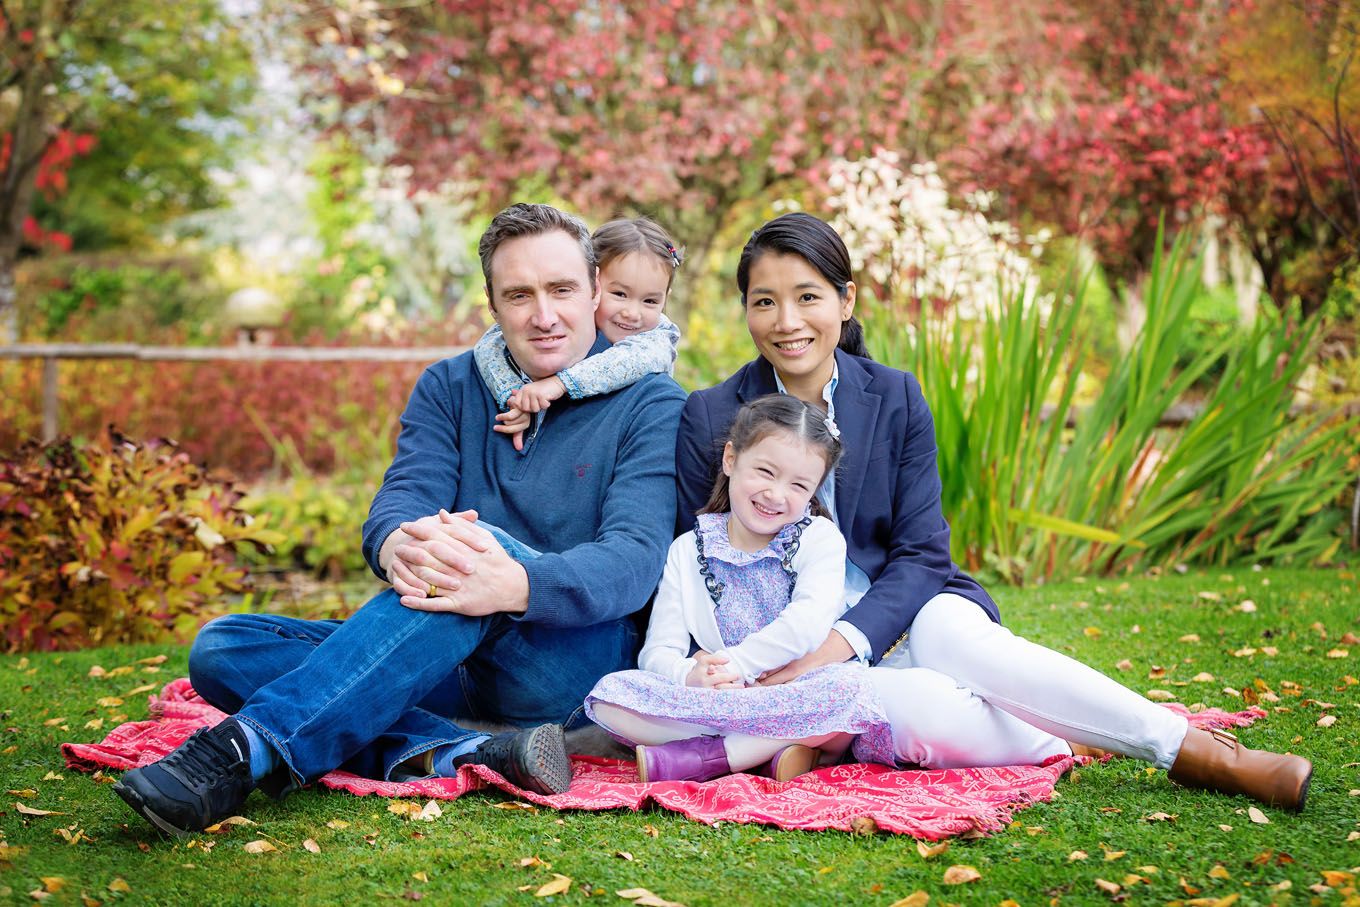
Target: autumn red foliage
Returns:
[681, 110]
[1105, 116]
[50, 179]
[207, 407]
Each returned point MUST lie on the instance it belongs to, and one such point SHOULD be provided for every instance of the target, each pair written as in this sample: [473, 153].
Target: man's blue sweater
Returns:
[594, 487]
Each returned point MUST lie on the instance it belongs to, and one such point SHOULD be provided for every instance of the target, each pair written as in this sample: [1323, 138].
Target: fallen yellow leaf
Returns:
[1161, 695]
[860, 825]
[337, 824]
[960, 874]
[1124, 664]
[53, 884]
[915, 899]
[1107, 886]
[311, 846]
[1076, 855]
[1218, 872]
[421, 876]
[559, 885]
[27, 793]
[1339, 653]
[30, 811]
[930, 851]
[644, 898]
[1190, 637]
[260, 846]
[109, 702]
[1326, 721]
[120, 885]
[1114, 854]
[1257, 816]
[534, 862]
[1091, 632]
[1336, 879]
[1203, 677]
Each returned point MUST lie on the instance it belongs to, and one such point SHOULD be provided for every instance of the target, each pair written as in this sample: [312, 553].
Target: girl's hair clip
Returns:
[675, 256]
[832, 428]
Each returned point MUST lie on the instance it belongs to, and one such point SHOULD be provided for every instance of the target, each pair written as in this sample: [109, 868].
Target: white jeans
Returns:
[964, 691]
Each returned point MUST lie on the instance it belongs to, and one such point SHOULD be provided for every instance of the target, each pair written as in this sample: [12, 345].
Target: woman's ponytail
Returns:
[852, 338]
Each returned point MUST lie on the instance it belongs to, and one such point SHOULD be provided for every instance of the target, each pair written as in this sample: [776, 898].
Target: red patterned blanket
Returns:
[924, 804]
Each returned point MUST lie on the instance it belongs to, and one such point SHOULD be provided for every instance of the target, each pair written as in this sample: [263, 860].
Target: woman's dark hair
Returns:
[763, 417]
[815, 242]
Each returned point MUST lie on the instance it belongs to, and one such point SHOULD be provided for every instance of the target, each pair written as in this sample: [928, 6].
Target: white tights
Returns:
[743, 750]
[965, 691]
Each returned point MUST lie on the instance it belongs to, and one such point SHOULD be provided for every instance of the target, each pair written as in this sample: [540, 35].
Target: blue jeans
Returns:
[389, 683]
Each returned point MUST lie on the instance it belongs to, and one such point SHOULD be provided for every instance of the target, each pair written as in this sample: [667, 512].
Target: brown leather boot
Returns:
[1214, 760]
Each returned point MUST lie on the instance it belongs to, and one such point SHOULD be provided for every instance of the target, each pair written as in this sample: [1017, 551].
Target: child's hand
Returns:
[513, 422]
[710, 671]
[538, 395]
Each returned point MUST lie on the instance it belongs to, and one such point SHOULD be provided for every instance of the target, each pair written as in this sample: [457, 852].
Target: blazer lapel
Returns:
[758, 381]
[856, 415]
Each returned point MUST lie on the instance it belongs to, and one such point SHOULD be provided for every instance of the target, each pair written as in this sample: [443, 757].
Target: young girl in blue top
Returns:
[755, 585]
[637, 261]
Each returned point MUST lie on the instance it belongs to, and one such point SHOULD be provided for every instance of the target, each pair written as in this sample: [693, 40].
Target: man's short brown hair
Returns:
[524, 219]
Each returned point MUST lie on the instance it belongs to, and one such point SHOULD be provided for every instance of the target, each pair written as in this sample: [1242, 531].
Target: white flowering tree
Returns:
[917, 247]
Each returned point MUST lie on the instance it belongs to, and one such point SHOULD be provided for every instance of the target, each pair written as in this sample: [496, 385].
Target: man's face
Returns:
[542, 299]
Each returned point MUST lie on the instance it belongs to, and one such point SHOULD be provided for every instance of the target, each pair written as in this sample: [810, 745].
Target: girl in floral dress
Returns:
[757, 583]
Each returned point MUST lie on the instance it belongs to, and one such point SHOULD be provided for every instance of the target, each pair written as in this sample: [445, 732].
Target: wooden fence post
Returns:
[49, 399]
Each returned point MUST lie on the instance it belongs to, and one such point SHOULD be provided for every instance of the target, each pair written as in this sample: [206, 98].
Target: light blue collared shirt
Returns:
[856, 580]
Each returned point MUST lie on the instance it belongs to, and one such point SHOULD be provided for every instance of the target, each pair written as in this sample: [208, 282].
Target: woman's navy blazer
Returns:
[887, 487]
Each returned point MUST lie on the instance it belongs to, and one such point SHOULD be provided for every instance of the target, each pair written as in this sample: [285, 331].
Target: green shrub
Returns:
[137, 301]
[1031, 499]
[114, 543]
[320, 518]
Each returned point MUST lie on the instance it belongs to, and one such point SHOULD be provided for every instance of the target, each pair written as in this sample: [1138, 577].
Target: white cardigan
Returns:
[683, 609]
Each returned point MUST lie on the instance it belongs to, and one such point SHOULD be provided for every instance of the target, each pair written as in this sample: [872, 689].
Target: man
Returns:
[466, 631]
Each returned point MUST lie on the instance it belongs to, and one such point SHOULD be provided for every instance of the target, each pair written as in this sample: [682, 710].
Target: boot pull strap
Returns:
[1223, 736]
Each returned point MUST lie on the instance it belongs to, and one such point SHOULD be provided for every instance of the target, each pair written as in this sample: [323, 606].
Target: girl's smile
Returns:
[633, 293]
[771, 483]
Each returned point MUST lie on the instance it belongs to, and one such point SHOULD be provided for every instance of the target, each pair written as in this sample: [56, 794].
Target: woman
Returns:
[960, 689]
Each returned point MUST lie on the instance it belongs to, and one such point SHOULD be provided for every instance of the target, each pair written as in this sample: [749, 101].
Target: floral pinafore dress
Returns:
[749, 590]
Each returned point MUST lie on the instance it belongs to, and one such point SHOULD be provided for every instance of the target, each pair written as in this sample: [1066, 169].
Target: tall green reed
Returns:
[1038, 488]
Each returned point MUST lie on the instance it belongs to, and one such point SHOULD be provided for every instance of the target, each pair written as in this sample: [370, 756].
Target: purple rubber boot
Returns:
[695, 759]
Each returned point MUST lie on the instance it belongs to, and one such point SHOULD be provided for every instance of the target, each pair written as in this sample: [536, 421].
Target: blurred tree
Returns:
[155, 82]
[674, 109]
[1103, 114]
[1292, 67]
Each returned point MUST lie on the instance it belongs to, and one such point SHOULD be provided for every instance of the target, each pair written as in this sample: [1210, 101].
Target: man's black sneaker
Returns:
[535, 759]
[205, 780]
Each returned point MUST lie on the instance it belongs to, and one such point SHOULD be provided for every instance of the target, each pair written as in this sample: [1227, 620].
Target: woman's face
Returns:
[794, 315]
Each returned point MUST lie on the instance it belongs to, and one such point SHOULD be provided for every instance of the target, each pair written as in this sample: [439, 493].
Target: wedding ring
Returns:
[432, 591]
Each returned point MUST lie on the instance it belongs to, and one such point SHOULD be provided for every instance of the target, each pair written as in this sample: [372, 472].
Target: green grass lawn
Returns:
[1293, 644]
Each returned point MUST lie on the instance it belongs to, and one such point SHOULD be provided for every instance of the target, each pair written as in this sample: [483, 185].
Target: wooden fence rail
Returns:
[52, 353]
